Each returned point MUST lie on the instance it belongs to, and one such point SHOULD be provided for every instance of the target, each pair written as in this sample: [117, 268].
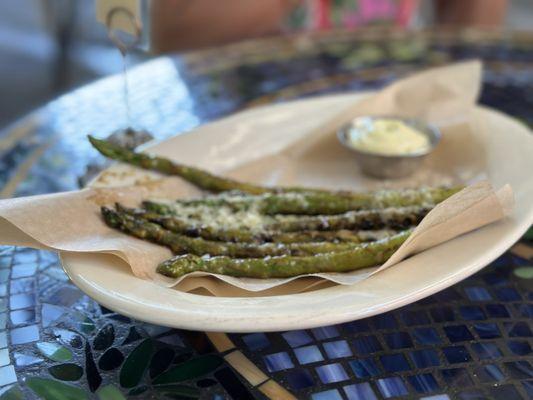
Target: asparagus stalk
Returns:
[210, 182]
[202, 179]
[394, 218]
[190, 228]
[360, 256]
[181, 244]
[315, 203]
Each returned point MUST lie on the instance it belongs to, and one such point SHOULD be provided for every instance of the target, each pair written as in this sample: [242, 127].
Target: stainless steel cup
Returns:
[389, 166]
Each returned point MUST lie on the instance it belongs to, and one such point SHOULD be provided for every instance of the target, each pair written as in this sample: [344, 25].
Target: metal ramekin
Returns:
[389, 166]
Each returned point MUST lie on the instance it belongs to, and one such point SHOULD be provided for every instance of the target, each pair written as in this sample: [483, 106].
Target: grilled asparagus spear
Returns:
[191, 228]
[181, 244]
[394, 218]
[314, 203]
[360, 256]
[210, 182]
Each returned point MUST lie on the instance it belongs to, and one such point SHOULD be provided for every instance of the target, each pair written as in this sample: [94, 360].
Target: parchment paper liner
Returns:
[443, 96]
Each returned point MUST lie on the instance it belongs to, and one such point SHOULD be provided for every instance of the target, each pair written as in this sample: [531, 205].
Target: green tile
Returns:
[110, 392]
[136, 363]
[54, 351]
[66, 372]
[48, 389]
[13, 393]
[529, 234]
[194, 368]
[178, 391]
[524, 272]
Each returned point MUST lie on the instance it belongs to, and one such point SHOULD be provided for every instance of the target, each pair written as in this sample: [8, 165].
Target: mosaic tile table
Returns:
[472, 341]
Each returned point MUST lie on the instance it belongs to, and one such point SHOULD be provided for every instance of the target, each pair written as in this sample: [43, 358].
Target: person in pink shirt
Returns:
[186, 24]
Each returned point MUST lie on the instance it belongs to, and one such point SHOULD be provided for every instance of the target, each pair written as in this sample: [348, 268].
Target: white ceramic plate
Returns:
[235, 140]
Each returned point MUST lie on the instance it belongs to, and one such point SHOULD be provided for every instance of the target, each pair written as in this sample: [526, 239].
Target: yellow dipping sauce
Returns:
[387, 136]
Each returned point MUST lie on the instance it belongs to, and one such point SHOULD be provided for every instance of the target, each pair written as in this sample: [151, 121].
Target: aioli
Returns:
[388, 136]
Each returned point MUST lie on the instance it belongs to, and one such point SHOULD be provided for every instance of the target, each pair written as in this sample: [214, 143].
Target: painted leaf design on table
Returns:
[54, 351]
[93, 376]
[14, 393]
[111, 359]
[178, 391]
[104, 338]
[110, 392]
[161, 361]
[135, 364]
[190, 369]
[48, 389]
[66, 372]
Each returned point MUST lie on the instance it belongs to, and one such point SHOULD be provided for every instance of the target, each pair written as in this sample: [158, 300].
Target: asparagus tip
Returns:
[111, 217]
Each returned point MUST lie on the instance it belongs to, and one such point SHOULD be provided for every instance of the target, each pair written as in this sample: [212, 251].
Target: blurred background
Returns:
[48, 47]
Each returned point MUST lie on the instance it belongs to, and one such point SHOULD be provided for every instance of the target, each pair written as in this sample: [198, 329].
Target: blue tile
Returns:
[471, 395]
[256, 341]
[520, 348]
[497, 311]
[3, 290]
[50, 313]
[489, 373]
[364, 368]
[327, 395]
[21, 271]
[297, 338]
[456, 354]
[447, 296]
[22, 317]
[331, 373]
[507, 294]
[299, 379]
[359, 326]
[487, 330]
[458, 333]
[4, 275]
[476, 293]
[384, 321]
[412, 318]
[367, 345]
[425, 336]
[278, 361]
[3, 320]
[425, 358]
[472, 313]
[398, 340]
[325, 332]
[337, 349]
[359, 391]
[486, 351]
[456, 377]
[525, 310]
[24, 335]
[25, 285]
[7, 375]
[519, 369]
[391, 387]
[504, 392]
[436, 397]
[495, 279]
[520, 329]
[442, 314]
[528, 387]
[18, 301]
[423, 383]
[308, 354]
[395, 363]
